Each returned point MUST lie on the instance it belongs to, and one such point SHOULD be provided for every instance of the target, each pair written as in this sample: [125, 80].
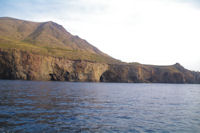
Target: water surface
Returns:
[33, 106]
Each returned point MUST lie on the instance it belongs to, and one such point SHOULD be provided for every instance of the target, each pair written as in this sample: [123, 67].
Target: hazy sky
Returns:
[160, 32]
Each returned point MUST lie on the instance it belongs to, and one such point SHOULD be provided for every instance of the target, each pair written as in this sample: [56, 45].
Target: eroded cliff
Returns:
[17, 64]
[138, 73]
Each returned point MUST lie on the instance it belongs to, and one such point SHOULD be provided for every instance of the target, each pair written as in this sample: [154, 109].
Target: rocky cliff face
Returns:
[138, 73]
[16, 64]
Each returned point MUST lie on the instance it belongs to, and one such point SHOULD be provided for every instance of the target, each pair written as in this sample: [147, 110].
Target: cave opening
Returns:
[52, 76]
[67, 76]
[109, 76]
[101, 79]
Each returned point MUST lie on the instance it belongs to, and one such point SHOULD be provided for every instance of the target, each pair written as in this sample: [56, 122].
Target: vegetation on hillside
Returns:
[49, 39]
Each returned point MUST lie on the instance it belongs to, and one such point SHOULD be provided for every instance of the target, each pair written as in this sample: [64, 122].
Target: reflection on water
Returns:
[30, 106]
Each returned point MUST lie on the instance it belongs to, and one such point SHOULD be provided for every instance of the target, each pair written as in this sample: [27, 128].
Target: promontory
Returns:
[46, 51]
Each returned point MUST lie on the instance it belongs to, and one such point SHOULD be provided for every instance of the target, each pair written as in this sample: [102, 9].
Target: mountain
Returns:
[46, 51]
[47, 38]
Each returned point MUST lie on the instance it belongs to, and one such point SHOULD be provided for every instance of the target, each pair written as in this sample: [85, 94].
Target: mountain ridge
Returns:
[37, 32]
[49, 35]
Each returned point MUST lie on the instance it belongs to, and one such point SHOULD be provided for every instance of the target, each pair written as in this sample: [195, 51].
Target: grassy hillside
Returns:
[47, 38]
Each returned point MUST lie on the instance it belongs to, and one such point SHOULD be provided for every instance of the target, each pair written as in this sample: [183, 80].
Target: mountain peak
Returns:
[179, 66]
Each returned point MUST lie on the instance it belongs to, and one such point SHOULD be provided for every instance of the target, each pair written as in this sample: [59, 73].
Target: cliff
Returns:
[46, 51]
[16, 64]
[138, 73]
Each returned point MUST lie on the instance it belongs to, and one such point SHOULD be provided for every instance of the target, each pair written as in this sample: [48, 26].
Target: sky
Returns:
[158, 32]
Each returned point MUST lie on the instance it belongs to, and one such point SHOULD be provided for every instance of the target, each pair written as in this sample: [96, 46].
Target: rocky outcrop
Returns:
[138, 73]
[16, 64]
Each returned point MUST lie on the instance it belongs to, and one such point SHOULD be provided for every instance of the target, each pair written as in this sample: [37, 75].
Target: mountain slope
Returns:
[46, 51]
[47, 38]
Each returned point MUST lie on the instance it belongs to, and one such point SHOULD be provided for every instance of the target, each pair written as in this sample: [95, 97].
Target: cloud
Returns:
[194, 2]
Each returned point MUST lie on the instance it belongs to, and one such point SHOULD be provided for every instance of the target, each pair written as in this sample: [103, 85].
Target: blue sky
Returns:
[45, 9]
[160, 32]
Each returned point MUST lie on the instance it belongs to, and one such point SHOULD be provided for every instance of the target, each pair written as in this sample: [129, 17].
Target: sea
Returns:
[51, 107]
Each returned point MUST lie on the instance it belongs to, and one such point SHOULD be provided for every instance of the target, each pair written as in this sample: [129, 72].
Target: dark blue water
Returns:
[30, 106]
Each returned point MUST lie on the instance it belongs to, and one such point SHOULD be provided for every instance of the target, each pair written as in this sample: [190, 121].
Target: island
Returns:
[46, 51]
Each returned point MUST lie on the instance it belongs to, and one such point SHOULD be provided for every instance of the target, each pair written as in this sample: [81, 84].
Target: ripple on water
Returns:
[28, 106]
